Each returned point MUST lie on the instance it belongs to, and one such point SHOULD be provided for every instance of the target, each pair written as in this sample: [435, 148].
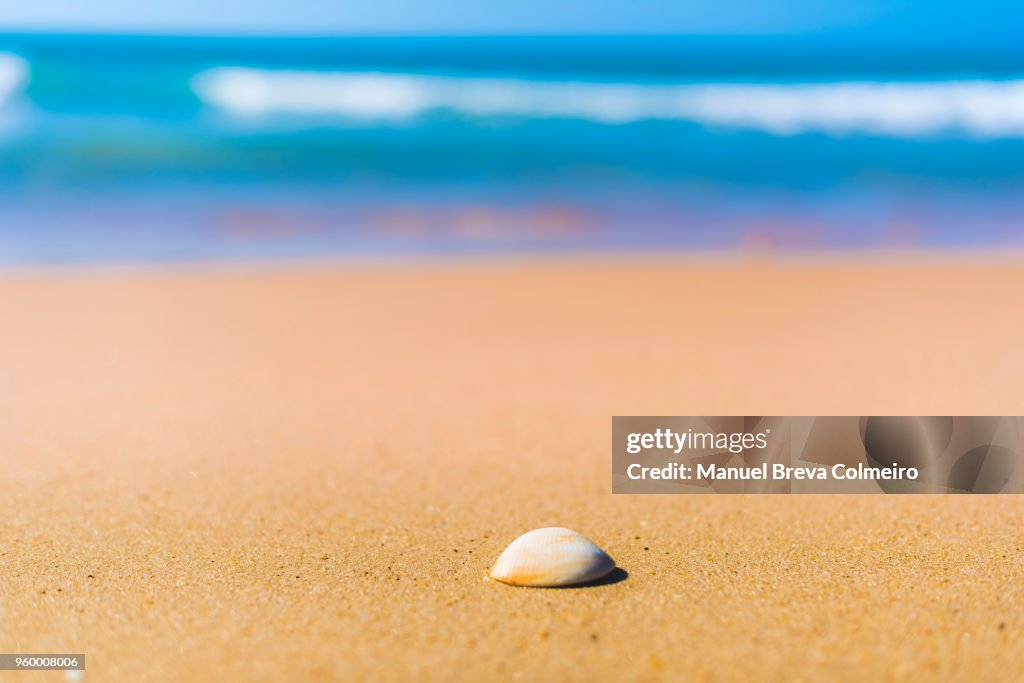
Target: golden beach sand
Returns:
[305, 473]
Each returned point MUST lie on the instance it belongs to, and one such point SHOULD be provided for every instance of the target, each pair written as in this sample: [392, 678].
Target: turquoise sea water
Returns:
[131, 148]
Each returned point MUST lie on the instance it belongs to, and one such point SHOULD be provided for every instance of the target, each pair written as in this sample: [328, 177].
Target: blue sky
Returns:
[972, 21]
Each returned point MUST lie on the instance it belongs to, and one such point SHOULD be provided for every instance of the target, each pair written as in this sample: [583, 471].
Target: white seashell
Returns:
[551, 557]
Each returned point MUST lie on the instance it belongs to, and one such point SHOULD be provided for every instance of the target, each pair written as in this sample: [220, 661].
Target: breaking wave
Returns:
[13, 75]
[979, 108]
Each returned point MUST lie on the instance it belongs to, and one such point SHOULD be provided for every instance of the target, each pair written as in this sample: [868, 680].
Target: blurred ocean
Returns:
[122, 148]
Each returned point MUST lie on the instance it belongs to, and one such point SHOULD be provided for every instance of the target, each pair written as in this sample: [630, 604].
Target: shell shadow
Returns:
[617, 575]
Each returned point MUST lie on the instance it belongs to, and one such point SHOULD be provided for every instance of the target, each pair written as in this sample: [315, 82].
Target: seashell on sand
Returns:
[551, 557]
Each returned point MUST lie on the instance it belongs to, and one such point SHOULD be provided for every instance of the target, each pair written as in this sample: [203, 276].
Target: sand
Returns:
[305, 473]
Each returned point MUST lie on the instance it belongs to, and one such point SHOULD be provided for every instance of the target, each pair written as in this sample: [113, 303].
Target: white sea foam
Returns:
[983, 108]
[14, 74]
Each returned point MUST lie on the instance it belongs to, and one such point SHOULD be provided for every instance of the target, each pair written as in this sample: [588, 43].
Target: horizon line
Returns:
[844, 36]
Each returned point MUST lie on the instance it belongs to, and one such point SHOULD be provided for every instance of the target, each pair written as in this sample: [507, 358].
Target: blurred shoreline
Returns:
[766, 261]
[159, 149]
